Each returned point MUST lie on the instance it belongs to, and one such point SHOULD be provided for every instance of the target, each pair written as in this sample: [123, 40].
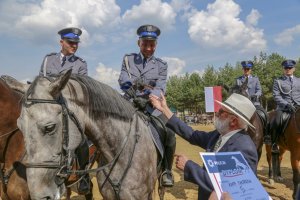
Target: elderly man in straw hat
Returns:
[230, 135]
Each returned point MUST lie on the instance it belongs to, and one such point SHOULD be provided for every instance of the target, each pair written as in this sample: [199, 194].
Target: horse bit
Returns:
[64, 166]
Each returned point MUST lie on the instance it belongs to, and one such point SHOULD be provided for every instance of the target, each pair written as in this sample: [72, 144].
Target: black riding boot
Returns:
[167, 179]
[266, 129]
[82, 153]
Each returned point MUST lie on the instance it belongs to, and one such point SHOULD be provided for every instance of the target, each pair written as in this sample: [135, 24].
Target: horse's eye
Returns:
[50, 129]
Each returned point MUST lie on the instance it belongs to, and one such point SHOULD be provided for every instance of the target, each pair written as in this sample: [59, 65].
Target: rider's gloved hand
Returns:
[290, 108]
[254, 98]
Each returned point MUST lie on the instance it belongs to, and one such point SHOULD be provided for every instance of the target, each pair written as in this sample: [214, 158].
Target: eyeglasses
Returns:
[221, 111]
[288, 68]
[246, 69]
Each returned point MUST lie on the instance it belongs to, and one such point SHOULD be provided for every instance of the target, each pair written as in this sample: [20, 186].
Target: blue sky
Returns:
[195, 33]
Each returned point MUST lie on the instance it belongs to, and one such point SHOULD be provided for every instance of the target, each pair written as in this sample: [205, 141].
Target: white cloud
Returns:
[286, 37]
[38, 21]
[107, 75]
[220, 26]
[175, 65]
[153, 12]
[253, 17]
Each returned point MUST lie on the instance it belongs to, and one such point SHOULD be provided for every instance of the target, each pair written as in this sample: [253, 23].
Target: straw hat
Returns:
[240, 106]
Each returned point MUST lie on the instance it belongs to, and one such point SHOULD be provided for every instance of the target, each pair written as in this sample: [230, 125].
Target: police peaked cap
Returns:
[150, 32]
[247, 64]
[71, 34]
[288, 63]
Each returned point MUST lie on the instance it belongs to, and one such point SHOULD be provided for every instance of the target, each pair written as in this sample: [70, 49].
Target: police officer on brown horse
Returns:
[286, 94]
[254, 93]
[144, 68]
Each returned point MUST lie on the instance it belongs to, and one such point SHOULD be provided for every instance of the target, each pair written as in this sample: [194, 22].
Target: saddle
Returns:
[263, 116]
[278, 125]
[157, 129]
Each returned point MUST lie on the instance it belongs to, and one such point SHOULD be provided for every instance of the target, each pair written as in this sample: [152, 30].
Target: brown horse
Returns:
[288, 140]
[259, 124]
[12, 150]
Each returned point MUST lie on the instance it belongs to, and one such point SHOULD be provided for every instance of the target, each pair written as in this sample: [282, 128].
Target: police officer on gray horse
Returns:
[286, 94]
[254, 92]
[58, 63]
[144, 68]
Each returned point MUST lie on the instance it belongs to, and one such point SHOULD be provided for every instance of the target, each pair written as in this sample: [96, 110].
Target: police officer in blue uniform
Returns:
[59, 63]
[286, 93]
[253, 86]
[254, 93]
[145, 68]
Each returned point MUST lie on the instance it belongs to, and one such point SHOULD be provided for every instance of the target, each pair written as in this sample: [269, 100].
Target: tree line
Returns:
[186, 93]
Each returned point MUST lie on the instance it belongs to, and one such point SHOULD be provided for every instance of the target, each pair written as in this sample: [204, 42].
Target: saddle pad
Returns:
[297, 119]
[156, 139]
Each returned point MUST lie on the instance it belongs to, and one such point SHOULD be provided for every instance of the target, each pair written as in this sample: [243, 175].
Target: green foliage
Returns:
[186, 93]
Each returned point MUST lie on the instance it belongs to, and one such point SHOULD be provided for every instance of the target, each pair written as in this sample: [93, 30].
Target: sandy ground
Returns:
[186, 190]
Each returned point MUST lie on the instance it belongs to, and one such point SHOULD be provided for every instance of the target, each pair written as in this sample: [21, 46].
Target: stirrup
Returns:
[168, 182]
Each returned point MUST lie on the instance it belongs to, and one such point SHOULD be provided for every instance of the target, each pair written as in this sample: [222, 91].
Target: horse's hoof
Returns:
[271, 181]
[279, 179]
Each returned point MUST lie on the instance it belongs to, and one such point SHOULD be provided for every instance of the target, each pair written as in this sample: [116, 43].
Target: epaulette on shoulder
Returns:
[51, 54]
[82, 60]
[162, 61]
[130, 54]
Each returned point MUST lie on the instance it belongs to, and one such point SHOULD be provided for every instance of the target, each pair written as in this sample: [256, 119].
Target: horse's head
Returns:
[48, 132]
[240, 89]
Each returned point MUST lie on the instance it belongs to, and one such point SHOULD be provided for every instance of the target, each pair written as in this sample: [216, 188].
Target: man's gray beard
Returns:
[222, 126]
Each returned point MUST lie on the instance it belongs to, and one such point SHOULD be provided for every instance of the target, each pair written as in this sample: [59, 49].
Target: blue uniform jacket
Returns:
[254, 87]
[196, 174]
[286, 92]
[53, 66]
[154, 73]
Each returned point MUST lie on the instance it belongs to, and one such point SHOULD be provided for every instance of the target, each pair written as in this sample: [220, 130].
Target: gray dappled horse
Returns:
[55, 115]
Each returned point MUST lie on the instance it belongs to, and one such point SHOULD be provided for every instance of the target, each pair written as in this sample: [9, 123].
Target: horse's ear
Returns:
[15, 84]
[59, 84]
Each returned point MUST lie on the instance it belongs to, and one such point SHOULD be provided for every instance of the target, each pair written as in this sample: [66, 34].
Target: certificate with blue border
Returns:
[230, 172]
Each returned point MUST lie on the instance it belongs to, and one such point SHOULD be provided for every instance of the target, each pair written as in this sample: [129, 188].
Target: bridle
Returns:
[64, 165]
[66, 157]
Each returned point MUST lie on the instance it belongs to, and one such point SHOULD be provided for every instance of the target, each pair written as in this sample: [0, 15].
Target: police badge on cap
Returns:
[247, 64]
[149, 32]
[288, 63]
[71, 34]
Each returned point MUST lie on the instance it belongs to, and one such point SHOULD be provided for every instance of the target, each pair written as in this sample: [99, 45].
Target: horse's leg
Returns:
[161, 192]
[89, 196]
[281, 152]
[68, 193]
[269, 159]
[296, 172]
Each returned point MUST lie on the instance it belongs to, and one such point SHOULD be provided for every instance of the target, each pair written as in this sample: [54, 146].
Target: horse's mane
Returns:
[101, 99]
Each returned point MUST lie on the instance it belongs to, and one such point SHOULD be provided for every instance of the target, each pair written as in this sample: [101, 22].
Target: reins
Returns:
[64, 165]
